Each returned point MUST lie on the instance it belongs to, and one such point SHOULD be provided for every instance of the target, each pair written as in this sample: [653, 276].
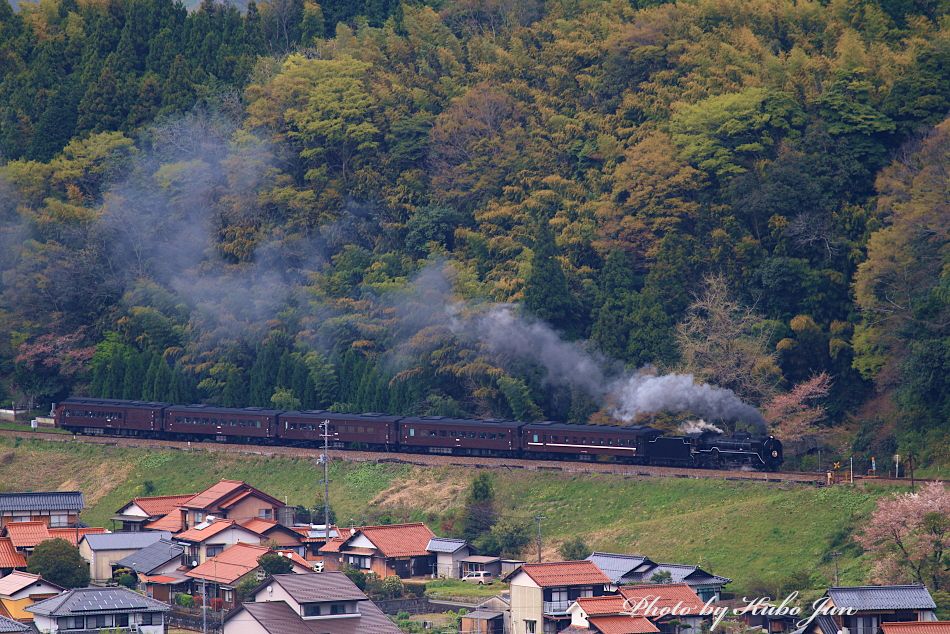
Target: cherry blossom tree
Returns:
[793, 415]
[907, 536]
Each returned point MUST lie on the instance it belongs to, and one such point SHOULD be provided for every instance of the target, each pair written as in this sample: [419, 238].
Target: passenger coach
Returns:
[460, 436]
[109, 416]
[562, 440]
[356, 431]
[221, 423]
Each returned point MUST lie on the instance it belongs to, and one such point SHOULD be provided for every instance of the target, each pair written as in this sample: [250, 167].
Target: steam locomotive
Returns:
[419, 434]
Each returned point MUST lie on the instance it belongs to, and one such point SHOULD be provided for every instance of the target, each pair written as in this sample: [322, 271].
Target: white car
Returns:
[480, 577]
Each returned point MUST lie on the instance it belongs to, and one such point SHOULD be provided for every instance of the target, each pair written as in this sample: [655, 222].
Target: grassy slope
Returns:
[746, 531]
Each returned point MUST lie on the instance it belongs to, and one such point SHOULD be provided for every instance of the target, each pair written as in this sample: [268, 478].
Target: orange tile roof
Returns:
[171, 522]
[74, 535]
[917, 627]
[199, 535]
[27, 534]
[233, 563]
[161, 504]
[258, 525]
[297, 559]
[564, 573]
[623, 624]
[9, 557]
[667, 595]
[335, 543]
[609, 604]
[213, 493]
[160, 579]
[399, 540]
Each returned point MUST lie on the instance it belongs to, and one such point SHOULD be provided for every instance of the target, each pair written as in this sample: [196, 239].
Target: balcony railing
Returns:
[556, 607]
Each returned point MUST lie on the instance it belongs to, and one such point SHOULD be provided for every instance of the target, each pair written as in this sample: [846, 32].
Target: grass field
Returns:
[747, 531]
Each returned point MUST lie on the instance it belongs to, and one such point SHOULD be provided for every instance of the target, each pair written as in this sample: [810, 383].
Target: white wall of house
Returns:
[243, 623]
[361, 541]
[37, 587]
[227, 537]
[100, 561]
[134, 510]
[527, 604]
[447, 564]
[275, 592]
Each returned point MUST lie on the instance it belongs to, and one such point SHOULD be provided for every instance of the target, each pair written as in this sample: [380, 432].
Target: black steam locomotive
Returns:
[419, 434]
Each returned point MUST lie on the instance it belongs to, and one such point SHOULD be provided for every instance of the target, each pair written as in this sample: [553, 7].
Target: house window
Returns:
[338, 608]
[214, 550]
[311, 609]
[72, 623]
[97, 621]
[530, 627]
[20, 518]
[121, 620]
[356, 561]
[228, 596]
[266, 514]
[58, 521]
[199, 517]
[151, 618]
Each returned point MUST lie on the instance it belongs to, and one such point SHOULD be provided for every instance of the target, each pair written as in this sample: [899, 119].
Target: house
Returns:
[448, 556]
[396, 549]
[313, 537]
[98, 608]
[102, 550]
[158, 563]
[874, 605]
[608, 614]
[217, 577]
[650, 600]
[635, 569]
[230, 499]
[53, 508]
[19, 590]
[139, 512]
[916, 627]
[10, 558]
[491, 616]
[274, 534]
[26, 536]
[314, 603]
[542, 593]
[209, 539]
[9, 625]
[482, 563]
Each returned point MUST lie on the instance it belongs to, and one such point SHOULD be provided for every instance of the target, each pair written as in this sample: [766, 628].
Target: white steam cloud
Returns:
[512, 337]
[698, 427]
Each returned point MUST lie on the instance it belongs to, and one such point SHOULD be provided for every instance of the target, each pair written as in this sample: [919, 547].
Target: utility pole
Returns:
[834, 555]
[910, 465]
[538, 518]
[325, 459]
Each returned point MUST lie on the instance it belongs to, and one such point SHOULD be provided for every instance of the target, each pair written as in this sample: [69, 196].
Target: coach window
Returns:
[535, 438]
[412, 431]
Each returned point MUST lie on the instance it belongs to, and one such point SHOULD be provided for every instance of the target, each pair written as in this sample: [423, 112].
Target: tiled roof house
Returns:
[316, 603]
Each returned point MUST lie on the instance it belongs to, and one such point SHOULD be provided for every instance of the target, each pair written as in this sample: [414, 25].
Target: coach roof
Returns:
[211, 409]
[637, 429]
[446, 421]
[113, 402]
[336, 416]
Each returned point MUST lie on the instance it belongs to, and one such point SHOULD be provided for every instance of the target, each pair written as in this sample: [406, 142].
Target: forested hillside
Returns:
[485, 207]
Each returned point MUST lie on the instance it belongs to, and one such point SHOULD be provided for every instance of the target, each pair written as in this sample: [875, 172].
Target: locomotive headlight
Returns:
[774, 454]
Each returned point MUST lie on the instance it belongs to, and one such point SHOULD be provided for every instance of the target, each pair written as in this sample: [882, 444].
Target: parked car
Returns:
[481, 577]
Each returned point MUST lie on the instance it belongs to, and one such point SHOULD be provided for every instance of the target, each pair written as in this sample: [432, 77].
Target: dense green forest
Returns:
[536, 209]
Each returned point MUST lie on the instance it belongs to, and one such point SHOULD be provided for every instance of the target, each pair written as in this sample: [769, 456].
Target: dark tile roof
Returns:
[152, 556]
[9, 625]
[42, 501]
[615, 565]
[318, 586]
[276, 617]
[92, 600]
[445, 545]
[679, 573]
[826, 624]
[910, 597]
[124, 541]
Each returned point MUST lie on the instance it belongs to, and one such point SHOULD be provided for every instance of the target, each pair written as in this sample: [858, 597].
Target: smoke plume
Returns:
[510, 337]
[698, 427]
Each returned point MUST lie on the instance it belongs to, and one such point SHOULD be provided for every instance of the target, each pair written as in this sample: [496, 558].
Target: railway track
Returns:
[431, 460]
